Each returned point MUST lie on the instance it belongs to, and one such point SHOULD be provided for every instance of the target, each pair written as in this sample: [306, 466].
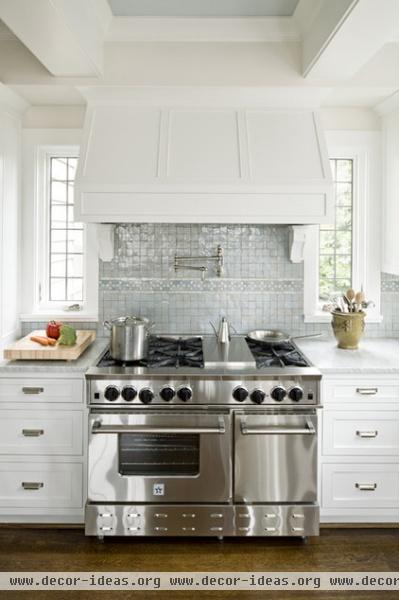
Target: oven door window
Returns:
[159, 454]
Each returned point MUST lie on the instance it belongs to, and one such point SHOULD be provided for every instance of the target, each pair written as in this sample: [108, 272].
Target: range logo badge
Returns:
[158, 489]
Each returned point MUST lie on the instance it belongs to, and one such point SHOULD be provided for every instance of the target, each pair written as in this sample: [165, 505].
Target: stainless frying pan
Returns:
[275, 336]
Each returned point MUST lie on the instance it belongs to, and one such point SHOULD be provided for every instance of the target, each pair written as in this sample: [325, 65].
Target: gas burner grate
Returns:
[165, 352]
[280, 354]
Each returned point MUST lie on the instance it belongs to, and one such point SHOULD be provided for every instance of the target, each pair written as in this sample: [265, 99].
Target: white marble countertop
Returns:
[375, 355]
[80, 365]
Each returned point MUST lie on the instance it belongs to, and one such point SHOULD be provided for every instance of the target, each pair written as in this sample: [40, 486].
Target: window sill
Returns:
[77, 317]
[322, 317]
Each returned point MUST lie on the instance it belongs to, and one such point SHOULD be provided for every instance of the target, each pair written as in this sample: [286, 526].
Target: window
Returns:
[65, 273]
[346, 252]
[335, 240]
[59, 256]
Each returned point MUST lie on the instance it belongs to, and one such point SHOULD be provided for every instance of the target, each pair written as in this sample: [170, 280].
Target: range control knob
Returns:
[257, 396]
[111, 393]
[167, 393]
[278, 393]
[129, 393]
[296, 393]
[240, 394]
[184, 393]
[146, 395]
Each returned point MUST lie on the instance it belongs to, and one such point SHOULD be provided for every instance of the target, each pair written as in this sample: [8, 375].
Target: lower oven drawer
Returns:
[275, 458]
[192, 520]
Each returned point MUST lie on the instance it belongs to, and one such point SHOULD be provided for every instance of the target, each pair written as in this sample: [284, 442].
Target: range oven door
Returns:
[275, 458]
[160, 457]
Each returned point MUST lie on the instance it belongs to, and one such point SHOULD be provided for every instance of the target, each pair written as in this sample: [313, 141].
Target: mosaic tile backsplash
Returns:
[260, 287]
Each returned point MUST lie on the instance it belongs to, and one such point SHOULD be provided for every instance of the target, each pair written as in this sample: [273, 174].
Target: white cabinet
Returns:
[191, 157]
[359, 449]
[42, 449]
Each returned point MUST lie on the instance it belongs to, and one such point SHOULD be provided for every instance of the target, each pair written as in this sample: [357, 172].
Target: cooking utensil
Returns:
[350, 295]
[275, 336]
[129, 337]
[359, 299]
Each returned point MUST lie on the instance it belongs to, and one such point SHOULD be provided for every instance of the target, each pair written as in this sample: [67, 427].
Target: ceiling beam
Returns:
[345, 35]
[66, 36]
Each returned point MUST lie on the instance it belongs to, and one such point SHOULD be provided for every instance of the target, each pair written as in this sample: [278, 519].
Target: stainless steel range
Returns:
[204, 439]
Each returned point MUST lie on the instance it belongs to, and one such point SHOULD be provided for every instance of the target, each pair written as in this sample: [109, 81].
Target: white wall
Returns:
[9, 225]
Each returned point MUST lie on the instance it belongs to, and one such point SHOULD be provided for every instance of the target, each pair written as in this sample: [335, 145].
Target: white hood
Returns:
[178, 156]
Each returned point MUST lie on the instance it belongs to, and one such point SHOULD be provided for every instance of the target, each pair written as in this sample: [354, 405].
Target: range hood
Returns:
[173, 156]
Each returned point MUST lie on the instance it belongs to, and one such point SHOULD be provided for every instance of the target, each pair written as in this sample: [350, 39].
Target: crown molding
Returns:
[388, 105]
[11, 101]
[204, 29]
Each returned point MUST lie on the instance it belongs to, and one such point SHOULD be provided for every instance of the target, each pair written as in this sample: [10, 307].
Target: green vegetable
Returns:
[67, 336]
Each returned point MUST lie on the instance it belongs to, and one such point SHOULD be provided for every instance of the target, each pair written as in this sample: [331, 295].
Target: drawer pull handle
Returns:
[189, 515]
[367, 434]
[160, 529]
[32, 390]
[270, 516]
[32, 432]
[32, 485]
[134, 515]
[297, 529]
[161, 515]
[106, 528]
[216, 529]
[366, 487]
[105, 515]
[188, 528]
[270, 529]
[244, 529]
[217, 515]
[367, 391]
[298, 516]
[133, 528]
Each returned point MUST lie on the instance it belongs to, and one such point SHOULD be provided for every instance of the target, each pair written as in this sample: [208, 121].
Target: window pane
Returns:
[335, 273]
[57, 289]
[75, 289]
[58, 192]
[66, 236]
[59, 241]
[59, 169]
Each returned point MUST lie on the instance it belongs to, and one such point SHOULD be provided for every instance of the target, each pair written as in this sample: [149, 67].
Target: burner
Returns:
[165, 352]
[280, 354]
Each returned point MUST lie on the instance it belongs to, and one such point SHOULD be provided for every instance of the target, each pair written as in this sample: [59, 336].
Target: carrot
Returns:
[40, 340]
[51, 341]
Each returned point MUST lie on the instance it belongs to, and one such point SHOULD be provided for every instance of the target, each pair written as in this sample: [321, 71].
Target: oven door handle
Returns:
[115, 429]
[308, 430]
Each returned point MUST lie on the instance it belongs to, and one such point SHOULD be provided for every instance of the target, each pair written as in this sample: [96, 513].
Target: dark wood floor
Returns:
[69, 550]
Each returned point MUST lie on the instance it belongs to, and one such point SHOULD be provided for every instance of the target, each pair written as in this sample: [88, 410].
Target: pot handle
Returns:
[107, 324]
[151, 325]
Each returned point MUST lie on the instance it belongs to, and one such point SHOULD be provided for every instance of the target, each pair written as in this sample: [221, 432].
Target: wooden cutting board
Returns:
[25, 349]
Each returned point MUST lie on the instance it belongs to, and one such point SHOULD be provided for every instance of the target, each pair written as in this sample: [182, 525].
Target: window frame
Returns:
[42, 306]
[363, 148]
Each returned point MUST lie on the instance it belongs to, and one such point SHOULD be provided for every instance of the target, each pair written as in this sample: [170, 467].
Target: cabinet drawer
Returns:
[360, 486]
[362, 433]
[41, 390]
[41, 432]
[41, 485]
[361, 391]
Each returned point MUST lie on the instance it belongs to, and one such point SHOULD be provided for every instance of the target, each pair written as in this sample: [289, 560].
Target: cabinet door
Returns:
[41, 432]
[41, 390]
[41, 485]
[361, 433]
[360, 486]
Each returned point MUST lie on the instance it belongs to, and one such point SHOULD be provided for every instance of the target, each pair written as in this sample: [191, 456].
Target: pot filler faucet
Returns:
[184, 262]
